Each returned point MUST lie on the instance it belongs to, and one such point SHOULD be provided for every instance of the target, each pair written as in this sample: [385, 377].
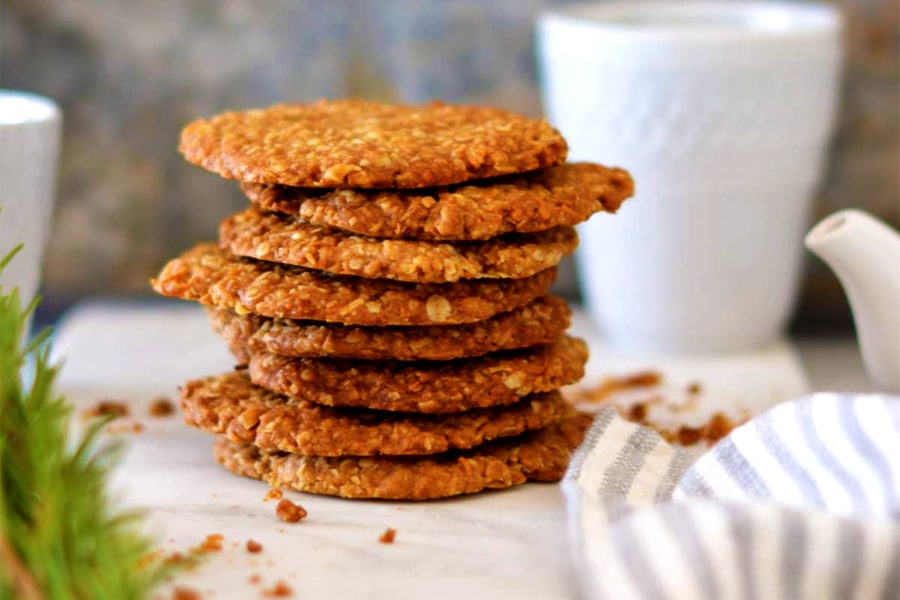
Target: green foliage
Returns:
[59, 536]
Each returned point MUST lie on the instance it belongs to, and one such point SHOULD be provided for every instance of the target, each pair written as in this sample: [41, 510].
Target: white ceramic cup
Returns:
[722, 111]
[30, 128]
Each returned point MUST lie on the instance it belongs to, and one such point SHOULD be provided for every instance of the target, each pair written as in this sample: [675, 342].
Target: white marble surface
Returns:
[508, 544]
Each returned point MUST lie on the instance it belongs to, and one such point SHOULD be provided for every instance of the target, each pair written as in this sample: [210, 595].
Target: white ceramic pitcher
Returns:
[865, 255]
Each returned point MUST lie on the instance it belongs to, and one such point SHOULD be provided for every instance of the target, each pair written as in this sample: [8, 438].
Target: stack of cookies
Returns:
[386, 297]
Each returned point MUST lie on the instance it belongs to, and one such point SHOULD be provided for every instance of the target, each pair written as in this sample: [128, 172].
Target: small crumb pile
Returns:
[386, 295]
[717, 426]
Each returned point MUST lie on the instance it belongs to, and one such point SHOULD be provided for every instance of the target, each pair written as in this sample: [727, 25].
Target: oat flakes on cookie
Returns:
[539, 322]
[425, 387]
[286, 240]
[541, 455]
[231, 404]
[213, 277]
[536, 201]
[364, 144]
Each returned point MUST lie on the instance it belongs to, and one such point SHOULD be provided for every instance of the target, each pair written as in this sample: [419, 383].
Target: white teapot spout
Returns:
[864, 253]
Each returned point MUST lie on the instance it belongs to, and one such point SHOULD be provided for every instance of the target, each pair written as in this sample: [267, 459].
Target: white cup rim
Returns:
[18, 108]
[664, 20]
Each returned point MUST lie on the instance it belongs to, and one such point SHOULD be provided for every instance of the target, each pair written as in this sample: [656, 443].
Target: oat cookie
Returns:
[425, 387]
[364, 144]
[286, 240]
[540, 456]
[535, 201]
[213, 277]
[232, 405]
[539, 322]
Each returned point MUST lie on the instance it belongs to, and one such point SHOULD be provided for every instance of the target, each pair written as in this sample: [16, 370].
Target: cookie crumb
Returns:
[104, 408]
[279, 590]
[641, 379]
[612, 385]
[273, 494]
[131, 427]
[388, 536]
[212, 543]
[149, 558]
[637, 412]
[254, 547]
[715, 428]
[161, 407]
[694, 388]
[255, 579]
[718, 426]
[289, 512]
[183, 593]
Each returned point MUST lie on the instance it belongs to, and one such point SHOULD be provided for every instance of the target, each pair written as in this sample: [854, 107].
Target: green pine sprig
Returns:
[60, 537]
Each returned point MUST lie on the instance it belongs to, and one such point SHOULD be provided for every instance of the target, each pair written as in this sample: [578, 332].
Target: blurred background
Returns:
[129, 75]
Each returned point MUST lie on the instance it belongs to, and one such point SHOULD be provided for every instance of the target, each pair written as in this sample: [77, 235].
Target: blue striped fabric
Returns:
[801, 503]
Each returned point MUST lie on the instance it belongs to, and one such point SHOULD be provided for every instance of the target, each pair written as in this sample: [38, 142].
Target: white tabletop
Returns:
[507, 544]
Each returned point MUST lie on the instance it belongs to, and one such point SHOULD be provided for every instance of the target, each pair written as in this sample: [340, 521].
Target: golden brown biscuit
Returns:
[535, 201]
[425, 387]
[541, 455]
[364, 144]
[232, 405]
[213, 277]
[286, 240]
[540, 322]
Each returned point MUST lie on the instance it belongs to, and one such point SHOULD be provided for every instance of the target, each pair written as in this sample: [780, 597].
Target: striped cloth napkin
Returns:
[800, 503]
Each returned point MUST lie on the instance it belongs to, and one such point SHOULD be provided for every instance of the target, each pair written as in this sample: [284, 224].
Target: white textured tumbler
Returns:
[722, 111]
[29, 151]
